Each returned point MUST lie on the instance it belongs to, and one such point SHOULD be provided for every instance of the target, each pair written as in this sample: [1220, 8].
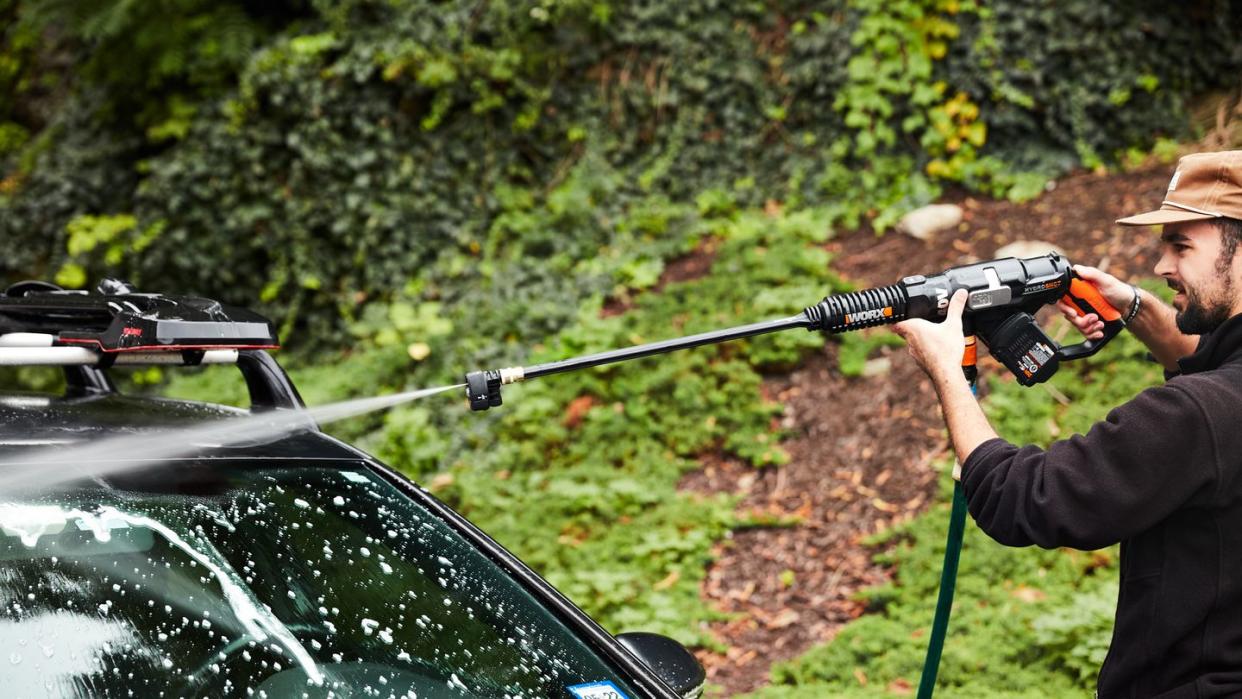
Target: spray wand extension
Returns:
[1004, 296]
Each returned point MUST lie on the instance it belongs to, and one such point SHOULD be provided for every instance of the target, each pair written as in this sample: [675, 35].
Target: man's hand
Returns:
[1116, 292]
[938, 347]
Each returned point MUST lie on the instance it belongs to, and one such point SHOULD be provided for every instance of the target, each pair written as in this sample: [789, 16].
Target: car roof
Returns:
[34, 420]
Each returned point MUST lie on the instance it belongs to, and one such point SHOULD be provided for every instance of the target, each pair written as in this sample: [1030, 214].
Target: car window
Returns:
[227, 579]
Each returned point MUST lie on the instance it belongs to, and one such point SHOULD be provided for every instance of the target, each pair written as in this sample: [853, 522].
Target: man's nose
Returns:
[1164, 266]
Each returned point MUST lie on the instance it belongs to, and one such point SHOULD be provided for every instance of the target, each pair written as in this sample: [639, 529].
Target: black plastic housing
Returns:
[483, 389]
[119, 322]
[1023, 347]
[118, 319]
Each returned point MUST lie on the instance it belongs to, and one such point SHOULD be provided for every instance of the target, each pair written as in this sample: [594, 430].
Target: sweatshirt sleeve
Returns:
[1127, 473]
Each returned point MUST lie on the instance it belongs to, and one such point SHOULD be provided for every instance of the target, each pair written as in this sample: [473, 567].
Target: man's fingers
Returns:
[1068, 310]
[1091, 274]
[1089, 325]
[1086, 324]
[908, 328]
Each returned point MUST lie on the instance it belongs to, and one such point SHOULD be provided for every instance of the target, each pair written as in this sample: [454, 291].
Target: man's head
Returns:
[1200, 261]
[1202, 219]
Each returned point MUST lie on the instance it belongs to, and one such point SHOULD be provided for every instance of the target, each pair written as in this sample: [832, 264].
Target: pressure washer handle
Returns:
[1084, 298]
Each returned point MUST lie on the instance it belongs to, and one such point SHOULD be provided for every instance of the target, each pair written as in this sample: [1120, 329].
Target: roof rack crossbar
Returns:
[20, 339]
[81, 356]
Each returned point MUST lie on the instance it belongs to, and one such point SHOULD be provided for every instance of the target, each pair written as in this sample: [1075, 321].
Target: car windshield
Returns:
[287, 579]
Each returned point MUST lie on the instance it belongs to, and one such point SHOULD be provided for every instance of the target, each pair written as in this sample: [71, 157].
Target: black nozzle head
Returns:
[483, 389]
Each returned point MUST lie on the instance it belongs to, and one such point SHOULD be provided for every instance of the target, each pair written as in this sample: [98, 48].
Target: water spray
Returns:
[102, 457]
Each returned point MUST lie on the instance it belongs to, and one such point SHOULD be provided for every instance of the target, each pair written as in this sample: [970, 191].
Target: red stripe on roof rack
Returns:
[162, 348]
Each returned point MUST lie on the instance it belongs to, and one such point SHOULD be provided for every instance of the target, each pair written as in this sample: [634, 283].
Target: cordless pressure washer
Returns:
[1004, 296]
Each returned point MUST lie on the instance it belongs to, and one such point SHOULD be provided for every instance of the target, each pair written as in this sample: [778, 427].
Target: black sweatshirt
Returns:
[1160, 475]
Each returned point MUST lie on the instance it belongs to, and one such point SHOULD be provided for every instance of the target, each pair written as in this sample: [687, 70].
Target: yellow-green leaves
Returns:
[107, 239]
[88, 232]
[311, 45]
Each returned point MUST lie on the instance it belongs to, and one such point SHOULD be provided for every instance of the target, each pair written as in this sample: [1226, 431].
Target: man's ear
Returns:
[1229, 234]
[1235, 274]
[1235, 265]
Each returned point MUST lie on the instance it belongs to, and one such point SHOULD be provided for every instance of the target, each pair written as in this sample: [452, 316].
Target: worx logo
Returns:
[864, 316]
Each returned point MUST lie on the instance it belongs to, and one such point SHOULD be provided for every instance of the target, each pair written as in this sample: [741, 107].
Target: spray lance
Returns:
[1004, 296]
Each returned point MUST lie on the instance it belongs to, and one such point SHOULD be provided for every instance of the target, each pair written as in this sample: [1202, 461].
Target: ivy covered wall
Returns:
[318, 155]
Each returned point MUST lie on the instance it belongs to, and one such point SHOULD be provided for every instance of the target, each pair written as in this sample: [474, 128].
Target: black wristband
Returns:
[1134, 307]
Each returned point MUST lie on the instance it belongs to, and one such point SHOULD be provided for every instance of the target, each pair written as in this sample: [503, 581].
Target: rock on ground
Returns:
[925, 222]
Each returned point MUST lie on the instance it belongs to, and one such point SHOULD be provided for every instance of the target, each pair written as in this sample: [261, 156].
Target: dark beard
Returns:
[1199, 319]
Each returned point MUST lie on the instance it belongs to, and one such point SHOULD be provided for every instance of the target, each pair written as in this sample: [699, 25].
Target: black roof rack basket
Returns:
[40, 323]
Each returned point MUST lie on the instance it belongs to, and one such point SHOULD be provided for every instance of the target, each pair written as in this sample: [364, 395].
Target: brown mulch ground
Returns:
[864, 449]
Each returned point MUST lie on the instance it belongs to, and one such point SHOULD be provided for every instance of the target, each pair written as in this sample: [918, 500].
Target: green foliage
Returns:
[604, 449]
[1062, 97]
[336, 151]
[19, 82]
[116, 236]
[1077, 636]
[892, 88]
[1026, 622]
[1001, 592]
[155, 59]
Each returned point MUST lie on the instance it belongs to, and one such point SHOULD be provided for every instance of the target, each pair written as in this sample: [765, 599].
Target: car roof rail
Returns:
[43, 324]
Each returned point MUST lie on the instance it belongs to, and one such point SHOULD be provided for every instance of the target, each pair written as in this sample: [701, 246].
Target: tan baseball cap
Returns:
[1205, 186]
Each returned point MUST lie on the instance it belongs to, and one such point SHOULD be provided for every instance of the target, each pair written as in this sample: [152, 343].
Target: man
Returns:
[1162, 474]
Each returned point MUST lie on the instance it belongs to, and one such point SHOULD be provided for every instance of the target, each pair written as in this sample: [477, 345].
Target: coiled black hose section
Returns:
[830, 314]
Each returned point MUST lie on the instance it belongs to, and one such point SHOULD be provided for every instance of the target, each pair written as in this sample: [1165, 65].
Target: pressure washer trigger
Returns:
[1085, 298]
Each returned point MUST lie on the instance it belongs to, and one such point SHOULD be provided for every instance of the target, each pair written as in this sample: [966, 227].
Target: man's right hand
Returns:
[1118, 293]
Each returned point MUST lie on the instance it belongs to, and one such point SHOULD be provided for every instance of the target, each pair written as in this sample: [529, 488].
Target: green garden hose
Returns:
[944, 604]
[948, 572]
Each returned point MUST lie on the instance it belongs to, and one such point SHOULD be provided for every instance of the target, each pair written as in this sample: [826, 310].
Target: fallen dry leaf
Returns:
[668, 581]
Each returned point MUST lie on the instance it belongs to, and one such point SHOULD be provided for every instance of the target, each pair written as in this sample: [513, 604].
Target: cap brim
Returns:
[1160, 217]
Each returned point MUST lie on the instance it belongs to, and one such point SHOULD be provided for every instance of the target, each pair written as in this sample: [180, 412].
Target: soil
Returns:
[864, 450]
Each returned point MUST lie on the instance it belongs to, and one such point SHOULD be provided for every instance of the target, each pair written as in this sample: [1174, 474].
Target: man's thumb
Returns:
[1091, 274]
[957, 304]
